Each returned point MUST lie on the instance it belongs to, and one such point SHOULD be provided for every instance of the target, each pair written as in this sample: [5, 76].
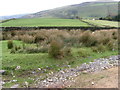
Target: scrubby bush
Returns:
[94, 49]
[98, 40]
[28, 39]
[112, 45]
[114, 35]
[105, 40]
[88, 39]
[7, 36]
[44, 49]
[13, 50]
[39, 38]
[1, 36]
[10, 44]
[66, 51]
[17, 47]
[83, 53]
[55, 49]
[33, 50]
[13, 33]
[99, 49]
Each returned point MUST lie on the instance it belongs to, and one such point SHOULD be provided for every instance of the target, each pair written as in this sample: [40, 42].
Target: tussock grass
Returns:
[75, 38]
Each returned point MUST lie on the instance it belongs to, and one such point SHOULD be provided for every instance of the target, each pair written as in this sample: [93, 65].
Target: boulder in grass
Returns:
[2, 71]
[18, 67]
[15, 86]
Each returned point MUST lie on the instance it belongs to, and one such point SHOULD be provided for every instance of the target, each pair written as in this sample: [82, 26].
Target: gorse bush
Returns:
[10, 44]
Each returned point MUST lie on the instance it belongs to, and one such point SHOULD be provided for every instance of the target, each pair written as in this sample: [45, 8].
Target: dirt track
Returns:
[104, 79]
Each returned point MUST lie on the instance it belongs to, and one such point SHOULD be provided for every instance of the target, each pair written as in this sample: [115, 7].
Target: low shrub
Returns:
[13, 50]
[7, 36]
[17, 47]
[94, 49]
[105, 40]
[99, 49]
[33, 50]
[10, 44]
[112, 45]
[88, 39]
[1, 37]
[39, 38]
[84, 53]
[55, 49]
[16, 38]
[66, 51]
[13, 33]
[28, 39]
[115, 35]
[44, 49]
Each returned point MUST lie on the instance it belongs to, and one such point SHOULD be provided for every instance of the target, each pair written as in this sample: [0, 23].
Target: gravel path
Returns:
[64, 77]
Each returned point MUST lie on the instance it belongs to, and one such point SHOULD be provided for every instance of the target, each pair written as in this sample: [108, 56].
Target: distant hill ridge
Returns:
[94, 9]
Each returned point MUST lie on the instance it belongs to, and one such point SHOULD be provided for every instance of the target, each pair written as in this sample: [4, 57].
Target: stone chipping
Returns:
[67, 75]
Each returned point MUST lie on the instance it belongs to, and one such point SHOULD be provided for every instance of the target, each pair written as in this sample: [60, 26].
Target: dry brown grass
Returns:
[76, 38]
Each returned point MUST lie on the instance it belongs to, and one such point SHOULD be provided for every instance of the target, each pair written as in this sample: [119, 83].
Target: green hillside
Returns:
[84, 10]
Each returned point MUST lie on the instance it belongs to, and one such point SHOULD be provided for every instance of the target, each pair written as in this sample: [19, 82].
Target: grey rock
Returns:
[2, 71]
[68, 74]
[15, 86]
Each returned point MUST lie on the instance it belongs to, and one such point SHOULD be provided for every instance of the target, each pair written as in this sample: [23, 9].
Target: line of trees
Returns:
[111, 18]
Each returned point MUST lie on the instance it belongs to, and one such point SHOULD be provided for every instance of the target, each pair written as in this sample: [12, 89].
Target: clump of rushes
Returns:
[99, 49]
[83, 52]
[88, 39]
[10, 44]
[28, 39]
[55, 49]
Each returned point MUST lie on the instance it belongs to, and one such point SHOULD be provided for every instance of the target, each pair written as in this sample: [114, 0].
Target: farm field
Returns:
[103, 23]
[29, 55]
[44, 22]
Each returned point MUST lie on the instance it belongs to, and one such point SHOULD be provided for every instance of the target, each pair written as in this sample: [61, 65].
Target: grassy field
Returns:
[103, 23]
[40, 52]
[44, 22]
[57, 22]
[31, 62]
